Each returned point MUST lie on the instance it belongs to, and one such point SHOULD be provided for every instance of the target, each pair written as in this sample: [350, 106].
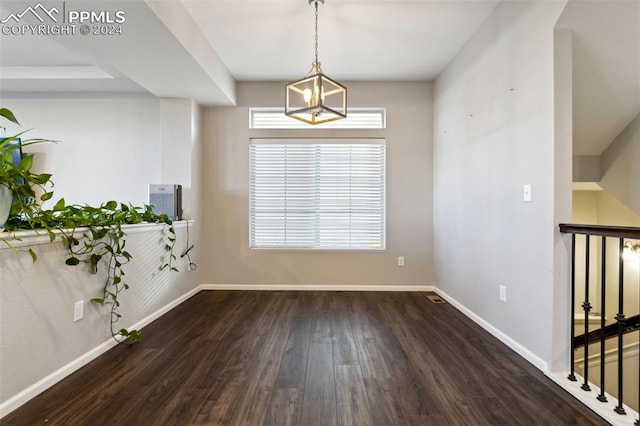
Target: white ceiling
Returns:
[199, 48]
[247, 40]
[274, 40]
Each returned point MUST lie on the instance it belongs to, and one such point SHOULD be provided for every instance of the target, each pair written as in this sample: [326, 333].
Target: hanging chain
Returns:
[316, 4]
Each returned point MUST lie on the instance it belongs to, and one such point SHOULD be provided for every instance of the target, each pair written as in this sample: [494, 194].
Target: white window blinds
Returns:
[357, 118]
[317, 194]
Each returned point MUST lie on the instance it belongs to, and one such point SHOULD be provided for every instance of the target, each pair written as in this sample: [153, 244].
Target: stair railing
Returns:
[622, 326]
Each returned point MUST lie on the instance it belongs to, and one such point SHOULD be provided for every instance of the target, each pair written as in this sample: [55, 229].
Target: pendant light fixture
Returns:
[316, 98]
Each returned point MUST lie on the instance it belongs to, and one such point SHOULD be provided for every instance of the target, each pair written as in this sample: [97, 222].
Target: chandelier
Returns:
[316, 98]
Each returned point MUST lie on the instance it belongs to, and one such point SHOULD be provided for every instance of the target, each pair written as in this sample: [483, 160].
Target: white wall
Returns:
[109, 147]
[563, 143]
[620, 166]
[409, 196]
[494, 132]
[179, 135]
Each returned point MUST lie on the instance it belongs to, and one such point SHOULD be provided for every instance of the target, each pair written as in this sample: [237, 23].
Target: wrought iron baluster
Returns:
[572, 375]
[603, 299]
[586, 307]
[621, 321]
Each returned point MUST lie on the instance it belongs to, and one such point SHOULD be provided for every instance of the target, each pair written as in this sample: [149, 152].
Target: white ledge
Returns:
[25, 238]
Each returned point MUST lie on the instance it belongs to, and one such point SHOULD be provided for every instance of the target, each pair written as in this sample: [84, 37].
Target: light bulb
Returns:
[630, 251]
[307, 96]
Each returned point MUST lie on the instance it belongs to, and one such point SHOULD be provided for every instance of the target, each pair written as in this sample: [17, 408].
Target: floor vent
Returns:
[434, 298]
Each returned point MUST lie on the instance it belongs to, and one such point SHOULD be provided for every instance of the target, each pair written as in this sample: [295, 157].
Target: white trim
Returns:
[538, 362]
[603, 409]
[593, 319]
[317, 287]
[610, 356]
[38, 72]
[40, 386]
[40, 236]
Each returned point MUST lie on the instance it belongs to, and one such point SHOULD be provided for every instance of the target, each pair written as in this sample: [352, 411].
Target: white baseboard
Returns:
[517, 347]
[603, 409]
[317, 287]
[40, 386]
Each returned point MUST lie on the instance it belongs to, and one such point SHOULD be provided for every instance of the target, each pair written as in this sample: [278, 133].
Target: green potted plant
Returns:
[18, 185]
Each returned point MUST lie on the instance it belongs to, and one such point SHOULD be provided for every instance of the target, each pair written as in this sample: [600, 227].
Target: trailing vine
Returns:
[92, 236]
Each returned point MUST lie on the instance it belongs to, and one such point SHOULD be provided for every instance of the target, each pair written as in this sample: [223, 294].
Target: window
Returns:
[357, 118]
[317, 194]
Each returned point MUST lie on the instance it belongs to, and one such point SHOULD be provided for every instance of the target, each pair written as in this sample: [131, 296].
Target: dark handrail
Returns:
[603, 231]
[631, 324]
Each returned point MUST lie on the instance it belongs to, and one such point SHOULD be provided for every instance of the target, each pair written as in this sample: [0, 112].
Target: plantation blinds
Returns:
[317, 194]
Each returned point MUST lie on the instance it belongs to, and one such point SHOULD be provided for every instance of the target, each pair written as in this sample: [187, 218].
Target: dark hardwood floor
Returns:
[308, 358]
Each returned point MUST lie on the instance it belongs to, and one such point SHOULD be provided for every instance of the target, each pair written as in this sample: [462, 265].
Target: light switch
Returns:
[526, 193]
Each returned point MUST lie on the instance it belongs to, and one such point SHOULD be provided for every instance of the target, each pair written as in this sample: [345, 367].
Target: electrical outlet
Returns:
[503, 293]
[78, 310]
[400, 260]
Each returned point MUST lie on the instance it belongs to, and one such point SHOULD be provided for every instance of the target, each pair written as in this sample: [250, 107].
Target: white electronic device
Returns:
[166, 199]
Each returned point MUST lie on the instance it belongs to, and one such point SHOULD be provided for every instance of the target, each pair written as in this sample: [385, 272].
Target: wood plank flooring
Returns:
[308, 358]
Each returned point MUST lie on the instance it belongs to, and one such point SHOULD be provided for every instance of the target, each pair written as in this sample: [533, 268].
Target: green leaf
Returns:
[174, 269]
[98, 301]
[8, 115]
[27, 162]
[111, 205]
[41, 178]
[34, 256]
[131, 336]
[72, 261]
[59, 205]
[46, 196]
